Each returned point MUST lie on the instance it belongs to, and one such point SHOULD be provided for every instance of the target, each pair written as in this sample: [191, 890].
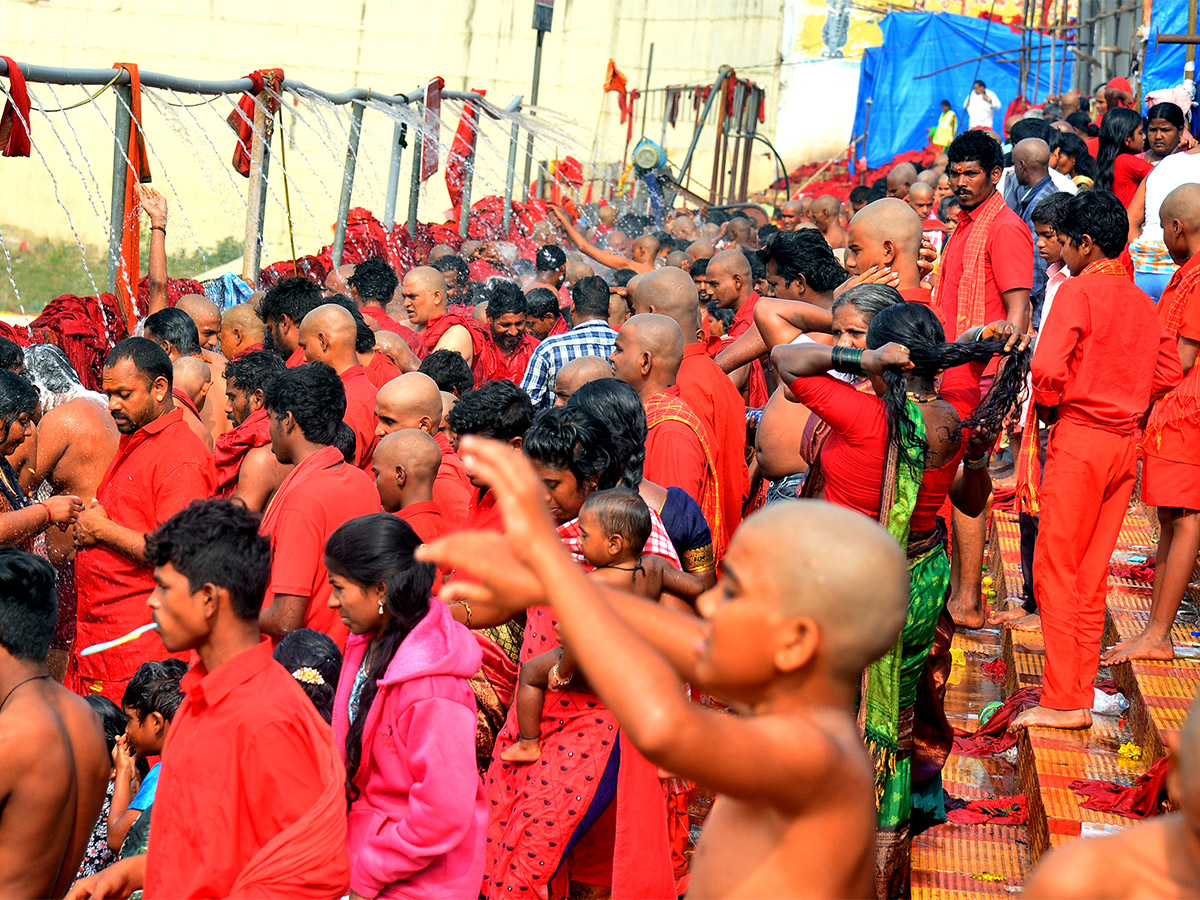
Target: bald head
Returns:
[410, 401]
[731, 262]
[679, 260]
[818, 561]
[920, 198]
[577, 271]
[405, 465]
[672, 293]
[928, 177]
[791, 212]
[437, 251]
[576, 373]
[886, 233]
[700, 250]
[900, 179]
[328, 334]
[192, 378]
[1031, 161]
[647, 353]
[424, 292]
[645, 249]
[241, 329]
[1180, 218]
[206, 315]
[338, 280]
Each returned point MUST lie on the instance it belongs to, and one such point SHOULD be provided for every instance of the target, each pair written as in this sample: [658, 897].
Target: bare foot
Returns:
[1144, 646]
[1041, 717]
[523, 751]
[1027, 622]
[967, 613]
[1008, 615]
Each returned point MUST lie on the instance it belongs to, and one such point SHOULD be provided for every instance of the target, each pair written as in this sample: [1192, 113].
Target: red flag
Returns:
[461, 150]
[430, 133]
[613, 79]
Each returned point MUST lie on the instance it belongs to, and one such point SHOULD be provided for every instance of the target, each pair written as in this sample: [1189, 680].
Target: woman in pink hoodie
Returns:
[405, 715]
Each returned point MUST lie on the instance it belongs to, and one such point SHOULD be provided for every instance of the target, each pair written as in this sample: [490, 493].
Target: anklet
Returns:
[523, 737]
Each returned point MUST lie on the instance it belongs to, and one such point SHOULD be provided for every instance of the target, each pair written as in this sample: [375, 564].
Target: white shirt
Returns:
[981, 109]
[1170, 173]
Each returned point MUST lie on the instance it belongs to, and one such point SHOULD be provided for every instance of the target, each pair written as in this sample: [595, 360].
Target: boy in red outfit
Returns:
[1095, 408]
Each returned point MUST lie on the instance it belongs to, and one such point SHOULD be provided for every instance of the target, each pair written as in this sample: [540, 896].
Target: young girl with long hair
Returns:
[1119, 164]
[405, 715]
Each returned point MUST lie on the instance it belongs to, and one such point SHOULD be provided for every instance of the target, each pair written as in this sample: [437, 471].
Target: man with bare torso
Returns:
[56, 762]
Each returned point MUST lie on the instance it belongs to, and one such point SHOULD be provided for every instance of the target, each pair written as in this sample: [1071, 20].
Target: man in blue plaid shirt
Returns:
[589, 336]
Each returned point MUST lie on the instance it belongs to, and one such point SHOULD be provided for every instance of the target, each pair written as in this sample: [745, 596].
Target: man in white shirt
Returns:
[981, 105]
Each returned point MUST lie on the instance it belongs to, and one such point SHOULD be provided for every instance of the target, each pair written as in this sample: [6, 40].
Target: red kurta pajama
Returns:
[1098, 317]
[158, 470]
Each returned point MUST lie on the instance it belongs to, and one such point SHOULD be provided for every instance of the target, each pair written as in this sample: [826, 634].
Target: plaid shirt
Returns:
[590, 338]
[1023, 201]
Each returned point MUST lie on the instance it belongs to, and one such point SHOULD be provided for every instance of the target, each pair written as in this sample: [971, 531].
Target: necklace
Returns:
[17, 685]
[921, 396]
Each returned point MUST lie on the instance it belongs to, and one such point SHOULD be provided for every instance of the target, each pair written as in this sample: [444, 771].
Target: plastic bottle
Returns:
[1108, 704]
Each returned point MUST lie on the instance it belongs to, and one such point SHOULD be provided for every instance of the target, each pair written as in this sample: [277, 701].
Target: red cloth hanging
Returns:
[613, 79]
[461, 150]
[14, 121]
[241, 119]
[139, 173]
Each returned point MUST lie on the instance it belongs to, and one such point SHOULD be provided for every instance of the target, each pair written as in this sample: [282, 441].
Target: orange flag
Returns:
[613, 79]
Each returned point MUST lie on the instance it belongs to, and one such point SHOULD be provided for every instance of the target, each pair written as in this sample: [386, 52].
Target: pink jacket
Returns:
[418, 827]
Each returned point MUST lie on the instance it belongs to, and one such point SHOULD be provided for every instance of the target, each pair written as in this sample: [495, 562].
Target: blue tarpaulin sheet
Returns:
[905, 107]
[1164, 63]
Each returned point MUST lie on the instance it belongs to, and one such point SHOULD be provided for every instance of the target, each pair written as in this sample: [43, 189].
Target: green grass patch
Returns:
[44, 269]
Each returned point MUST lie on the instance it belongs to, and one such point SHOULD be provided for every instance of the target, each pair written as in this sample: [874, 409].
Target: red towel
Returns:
[241, 119]
[85, 329]
[1145, 797]
[461, 150]
[14, 121]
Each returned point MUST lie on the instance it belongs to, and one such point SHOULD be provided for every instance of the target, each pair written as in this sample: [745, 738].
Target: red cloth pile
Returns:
[176, 288]
[1143, 573]
[993, 736]
[840, 183]
[991, 811]
[85, 329]
[1145, 797]
[996, 669]
[313, 268]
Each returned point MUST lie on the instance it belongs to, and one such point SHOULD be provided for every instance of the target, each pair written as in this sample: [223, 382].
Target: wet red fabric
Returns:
[384, 322]
[85, 329]
[241, 119]
[496, 366]
[1145, 797]
[435, 330]
[461, 151]
[14, 121]
[233, 445]
[176, 288]
[991, 810]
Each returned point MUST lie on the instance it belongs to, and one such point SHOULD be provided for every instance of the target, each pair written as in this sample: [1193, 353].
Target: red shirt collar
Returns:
[210, 688]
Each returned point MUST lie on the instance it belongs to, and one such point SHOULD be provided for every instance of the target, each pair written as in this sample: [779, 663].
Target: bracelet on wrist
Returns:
[979, 462]
[467, 606]
[846, 359]
[46, 507]
[162, 228]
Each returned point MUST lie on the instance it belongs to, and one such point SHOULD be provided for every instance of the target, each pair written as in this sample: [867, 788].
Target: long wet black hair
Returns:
[916, 327]
[372, 550]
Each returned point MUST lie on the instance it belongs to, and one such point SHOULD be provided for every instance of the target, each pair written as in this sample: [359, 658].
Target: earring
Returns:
[381, 606]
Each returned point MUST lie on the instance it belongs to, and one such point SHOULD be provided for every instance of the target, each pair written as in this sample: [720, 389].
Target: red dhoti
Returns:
[1085, 492]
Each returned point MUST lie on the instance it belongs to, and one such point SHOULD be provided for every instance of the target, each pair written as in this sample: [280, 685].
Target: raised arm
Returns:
[782, 321]
[605, 258]
[155, 206]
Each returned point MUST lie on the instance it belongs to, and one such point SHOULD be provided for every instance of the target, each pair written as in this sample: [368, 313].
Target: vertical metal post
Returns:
[414, 186]
[1189, 66]
[510, 176]
[260, 156]
[464, 212]
[533, 95]
[389, 202]
[116, 224]
[339, 235]
[646, 99]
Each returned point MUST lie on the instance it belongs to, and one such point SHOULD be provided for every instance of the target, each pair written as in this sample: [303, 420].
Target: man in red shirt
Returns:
[1171, 442]
[405, 466]
[414, 401]
[283, 309]
[1095, 406]
[703, 386]
[251, 794]
[679, 447]
[729, 279]
[160, 467]
[503, 412]
[246, 467]
[328, 335]
[506, 345]
[305, 407]
[985, 275]
[372, 286]
[176, 332]
[241, 331]
[424, 292]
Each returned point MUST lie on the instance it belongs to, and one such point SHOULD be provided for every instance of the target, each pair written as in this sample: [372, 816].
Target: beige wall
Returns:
[390, 46]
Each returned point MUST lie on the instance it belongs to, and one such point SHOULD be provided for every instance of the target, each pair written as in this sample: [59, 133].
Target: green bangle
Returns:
[846, 359]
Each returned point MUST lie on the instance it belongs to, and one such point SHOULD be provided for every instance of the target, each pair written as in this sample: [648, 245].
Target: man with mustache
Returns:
[160, 467]
[985, 275]
[507, 346]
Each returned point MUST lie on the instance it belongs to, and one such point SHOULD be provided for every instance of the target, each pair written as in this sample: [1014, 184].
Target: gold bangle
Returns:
[978, 463]
[467, 606]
